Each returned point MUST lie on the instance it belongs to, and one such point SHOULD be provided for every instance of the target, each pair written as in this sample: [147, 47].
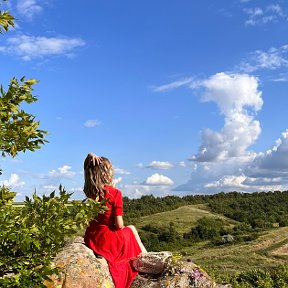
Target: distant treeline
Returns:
[255, 212]
[258, 209]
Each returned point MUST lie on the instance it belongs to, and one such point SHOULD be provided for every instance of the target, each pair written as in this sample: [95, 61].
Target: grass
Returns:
[264, 252]
[240, 257]
[183, 217]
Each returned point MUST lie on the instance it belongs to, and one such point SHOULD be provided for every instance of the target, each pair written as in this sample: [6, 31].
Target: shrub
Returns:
[206, 229]
[30, 236]
[276, 278]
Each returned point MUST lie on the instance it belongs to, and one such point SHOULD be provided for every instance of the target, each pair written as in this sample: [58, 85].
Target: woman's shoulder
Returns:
[112, 190]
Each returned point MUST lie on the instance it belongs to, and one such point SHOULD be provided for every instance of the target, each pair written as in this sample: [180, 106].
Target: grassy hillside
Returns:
[269, 250]
[183, 217]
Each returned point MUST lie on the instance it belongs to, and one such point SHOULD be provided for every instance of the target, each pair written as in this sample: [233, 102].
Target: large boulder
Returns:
[80, 268]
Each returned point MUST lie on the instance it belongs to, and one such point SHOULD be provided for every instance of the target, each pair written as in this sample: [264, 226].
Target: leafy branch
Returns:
[18, 129]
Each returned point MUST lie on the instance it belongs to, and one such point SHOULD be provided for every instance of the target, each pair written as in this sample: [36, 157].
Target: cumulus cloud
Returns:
[269, 14]
[28, 8]
[230, 181]
[238, 99]
[219, 175]
[265, 171]
[160, 165]
[135, 190]
[64, 171]
[158, 180]
[30, 47]
[92, 123]
[274, 58]
[273, 163]
[13, 182]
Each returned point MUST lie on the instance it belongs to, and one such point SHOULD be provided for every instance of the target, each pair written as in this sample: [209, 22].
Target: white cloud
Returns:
[273, 163]
[264, 181]
[76, 189]
[274, 58]
[160, 165]
[230, 181]
[50, 188]
[173, 85]
[135, 190]
[237, 96]
[138, 190]
[213, 172]
[260, 16]
[92, 123]
[31, 47]
[117, 180]
[121, 171]
[13, 182]
[64, 171]
[265, 171]
[28, 8]
[139, 165]
[182, 164]
[158, 180]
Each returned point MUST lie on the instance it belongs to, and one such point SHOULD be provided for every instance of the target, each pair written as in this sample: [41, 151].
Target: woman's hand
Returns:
[95, 159]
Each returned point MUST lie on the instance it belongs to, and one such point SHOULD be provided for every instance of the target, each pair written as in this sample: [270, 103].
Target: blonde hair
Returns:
[97, 176]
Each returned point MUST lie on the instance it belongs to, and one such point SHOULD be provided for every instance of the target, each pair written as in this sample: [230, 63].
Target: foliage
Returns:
[6, 20]
[149, 204]
[276, 278]
[259, 210]
[18, 129]
[30, 236]
[206, 229]
[159, 238]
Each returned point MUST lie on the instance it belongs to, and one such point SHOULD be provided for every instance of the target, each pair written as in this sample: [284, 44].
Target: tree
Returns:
[6, 20]
[30, 236]
[18, 129]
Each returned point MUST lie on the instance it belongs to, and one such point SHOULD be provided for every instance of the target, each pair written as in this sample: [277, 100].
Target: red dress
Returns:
[118, 247]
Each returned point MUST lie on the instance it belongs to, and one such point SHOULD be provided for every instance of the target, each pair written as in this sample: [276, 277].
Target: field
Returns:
[269, 250]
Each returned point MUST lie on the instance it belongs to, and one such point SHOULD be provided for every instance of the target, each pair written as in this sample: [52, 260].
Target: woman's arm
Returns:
[119, 223]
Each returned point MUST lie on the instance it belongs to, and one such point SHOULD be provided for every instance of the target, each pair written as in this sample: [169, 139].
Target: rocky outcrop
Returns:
[81, 269]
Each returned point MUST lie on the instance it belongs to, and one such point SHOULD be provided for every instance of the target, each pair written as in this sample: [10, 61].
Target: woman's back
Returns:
[114, 206]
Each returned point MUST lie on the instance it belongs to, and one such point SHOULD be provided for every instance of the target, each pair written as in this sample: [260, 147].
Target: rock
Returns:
[80, 268]
[180, 275]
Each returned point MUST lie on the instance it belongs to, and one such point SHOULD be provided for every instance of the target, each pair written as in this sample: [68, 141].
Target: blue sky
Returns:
[184, 97]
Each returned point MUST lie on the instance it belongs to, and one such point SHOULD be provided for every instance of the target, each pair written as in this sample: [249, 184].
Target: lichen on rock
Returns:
[80, 268]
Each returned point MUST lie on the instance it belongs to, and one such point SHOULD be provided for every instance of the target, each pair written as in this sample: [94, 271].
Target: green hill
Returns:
[270, 249]
[183, 217]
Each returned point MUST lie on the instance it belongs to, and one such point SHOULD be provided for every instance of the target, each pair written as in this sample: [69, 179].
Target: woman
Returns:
[106, 235]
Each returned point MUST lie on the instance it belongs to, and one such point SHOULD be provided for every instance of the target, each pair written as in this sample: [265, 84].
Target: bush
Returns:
[276, 278]
[206, 229]
[159, 238]
[30, 236]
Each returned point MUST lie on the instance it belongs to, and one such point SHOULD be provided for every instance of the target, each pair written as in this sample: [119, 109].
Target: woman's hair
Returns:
[96, 176]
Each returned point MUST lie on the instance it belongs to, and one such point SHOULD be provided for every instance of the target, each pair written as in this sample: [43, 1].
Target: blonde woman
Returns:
[106, 235]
